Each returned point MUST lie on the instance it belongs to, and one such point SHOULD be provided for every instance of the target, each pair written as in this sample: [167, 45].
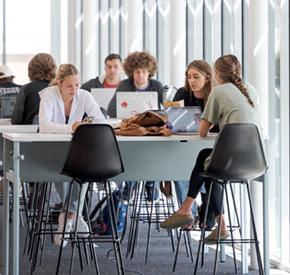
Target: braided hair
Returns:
[228, 68]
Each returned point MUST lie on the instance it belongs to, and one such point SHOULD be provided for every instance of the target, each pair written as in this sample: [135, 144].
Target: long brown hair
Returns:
[205, 69]
[63, 71]
[228, 68]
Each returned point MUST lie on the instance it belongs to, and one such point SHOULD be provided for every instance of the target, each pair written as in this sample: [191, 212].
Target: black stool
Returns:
[93, 156]
[237, 157]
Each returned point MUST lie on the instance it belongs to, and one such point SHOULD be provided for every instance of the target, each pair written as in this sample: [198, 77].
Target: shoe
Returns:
[68, 229]
[212, 238]
[177, 220]
[82, 227]
[193, 225]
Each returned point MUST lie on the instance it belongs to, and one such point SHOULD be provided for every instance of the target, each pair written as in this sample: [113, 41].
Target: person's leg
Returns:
[181, 188]
[183, 215]
[195, 183]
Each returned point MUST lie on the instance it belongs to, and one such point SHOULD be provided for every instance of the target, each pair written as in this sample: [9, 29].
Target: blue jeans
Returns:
[181, 188]
[63, 189]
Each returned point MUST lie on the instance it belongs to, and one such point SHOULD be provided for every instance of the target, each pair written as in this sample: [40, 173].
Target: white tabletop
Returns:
[34, 137]
[18, 128]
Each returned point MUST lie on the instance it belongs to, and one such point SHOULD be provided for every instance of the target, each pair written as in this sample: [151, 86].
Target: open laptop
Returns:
[184, 120]
[131, 103]
[103, 96]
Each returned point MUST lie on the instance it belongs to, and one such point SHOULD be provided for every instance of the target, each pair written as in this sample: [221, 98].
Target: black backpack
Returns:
[100, 217]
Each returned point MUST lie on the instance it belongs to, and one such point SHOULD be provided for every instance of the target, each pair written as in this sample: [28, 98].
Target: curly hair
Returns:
[228, 68]
[140, 60]
[205, 69]
[63, 71]
[41, 67]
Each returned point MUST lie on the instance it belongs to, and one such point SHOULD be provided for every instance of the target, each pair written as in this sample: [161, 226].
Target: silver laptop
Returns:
[103, 96]
[131, 103]
[184, 120]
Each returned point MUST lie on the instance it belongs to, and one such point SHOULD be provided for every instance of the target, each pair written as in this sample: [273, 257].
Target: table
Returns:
[145, 158]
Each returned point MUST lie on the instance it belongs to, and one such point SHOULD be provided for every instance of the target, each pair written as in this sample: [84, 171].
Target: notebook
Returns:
[184, 120]
[131, 103]
[103, 96]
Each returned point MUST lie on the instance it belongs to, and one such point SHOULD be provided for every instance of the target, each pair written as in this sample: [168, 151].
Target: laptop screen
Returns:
[103, 96]
[131, 103]
[184, 119]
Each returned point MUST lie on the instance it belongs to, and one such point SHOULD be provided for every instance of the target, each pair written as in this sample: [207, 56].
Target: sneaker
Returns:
[212, 238]
[68, 229]
[82, 227]
[177, 220]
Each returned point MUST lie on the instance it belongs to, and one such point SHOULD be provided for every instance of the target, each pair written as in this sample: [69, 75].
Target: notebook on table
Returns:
[103, 96]
[131, 103]
[184, 120]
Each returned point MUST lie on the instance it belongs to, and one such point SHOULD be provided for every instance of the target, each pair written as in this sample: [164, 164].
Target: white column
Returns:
[135, 25]
[90, 40]
[258, 75]
[177, 43]
[71, 35]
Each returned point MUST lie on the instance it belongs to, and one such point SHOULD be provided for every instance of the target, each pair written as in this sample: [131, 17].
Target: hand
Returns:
[76, 125]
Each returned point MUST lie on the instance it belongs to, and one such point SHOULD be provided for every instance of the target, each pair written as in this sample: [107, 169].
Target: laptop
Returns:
[184, 120]
[132, 103]
[103, 96]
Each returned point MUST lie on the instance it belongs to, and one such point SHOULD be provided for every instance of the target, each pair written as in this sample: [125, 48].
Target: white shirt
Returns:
[52, 115]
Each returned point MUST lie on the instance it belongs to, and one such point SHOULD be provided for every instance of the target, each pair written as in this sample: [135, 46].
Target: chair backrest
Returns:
[93, 154]
[237, 154]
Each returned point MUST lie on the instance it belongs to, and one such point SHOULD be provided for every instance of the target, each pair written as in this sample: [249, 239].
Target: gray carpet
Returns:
[160, 258]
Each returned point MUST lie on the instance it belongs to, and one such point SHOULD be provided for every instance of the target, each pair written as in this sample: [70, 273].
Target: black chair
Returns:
[237, 157]
[93, 156]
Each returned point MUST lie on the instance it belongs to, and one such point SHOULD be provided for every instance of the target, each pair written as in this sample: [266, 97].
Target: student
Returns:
[112, 76]
[230, 102]
[197, 86]
[7, 87]
[41, 70]
[140, 67]
[62, 106]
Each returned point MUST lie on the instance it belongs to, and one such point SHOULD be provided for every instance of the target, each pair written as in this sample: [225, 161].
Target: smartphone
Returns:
[88, 119]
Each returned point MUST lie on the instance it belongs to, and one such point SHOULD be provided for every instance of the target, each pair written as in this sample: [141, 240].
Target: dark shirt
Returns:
[189, 98]
[127, 85]
[27, 103]
[92, 83]
[8, 94]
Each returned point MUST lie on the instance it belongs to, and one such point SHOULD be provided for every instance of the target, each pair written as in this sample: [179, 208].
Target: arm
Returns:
[46, 113]
[92, 108]
[204, 127]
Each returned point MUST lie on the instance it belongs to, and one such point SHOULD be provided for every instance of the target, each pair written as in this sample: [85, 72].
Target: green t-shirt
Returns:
[226, 104]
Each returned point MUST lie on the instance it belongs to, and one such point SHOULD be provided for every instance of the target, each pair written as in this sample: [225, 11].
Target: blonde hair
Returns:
[63, 71]
[205, 69]
[228, 68]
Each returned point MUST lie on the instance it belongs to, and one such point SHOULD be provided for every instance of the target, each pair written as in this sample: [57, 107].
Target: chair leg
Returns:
[64, 226]
[116, 241]
[74, 239]
[177, 249]
[219, 230]
[231, 228]
[203, 230]
[261, 270]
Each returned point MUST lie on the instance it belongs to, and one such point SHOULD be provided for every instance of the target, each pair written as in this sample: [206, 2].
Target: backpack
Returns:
[100, 216]
[210, 221]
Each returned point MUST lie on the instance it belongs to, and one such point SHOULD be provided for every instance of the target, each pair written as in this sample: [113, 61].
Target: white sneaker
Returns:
[68, 229]
[82, 227]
